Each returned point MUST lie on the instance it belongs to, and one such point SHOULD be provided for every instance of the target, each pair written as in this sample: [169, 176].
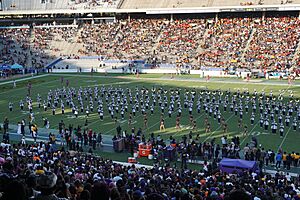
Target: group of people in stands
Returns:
[270, 43]
[15, 47]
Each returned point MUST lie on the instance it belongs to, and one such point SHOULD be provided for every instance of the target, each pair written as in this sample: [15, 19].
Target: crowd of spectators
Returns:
[227, 43]
[138, 37]
[58, 4]
[45, 37]
[42, 172]
[274, 43]
[180, 39]
[14, 45]
[17, 47]
[99, 39]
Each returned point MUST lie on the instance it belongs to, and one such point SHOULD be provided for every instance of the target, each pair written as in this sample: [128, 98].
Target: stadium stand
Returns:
[15, 45]
[56, 4]
[253, 43]
[40, 171]
[137, 4]
[274, 42]
[225, 42]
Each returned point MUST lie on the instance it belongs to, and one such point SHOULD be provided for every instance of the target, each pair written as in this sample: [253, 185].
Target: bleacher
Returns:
[253, 43]
[57, 4]
[139, 4]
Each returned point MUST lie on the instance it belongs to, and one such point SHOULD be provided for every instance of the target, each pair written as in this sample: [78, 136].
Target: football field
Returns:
[42, 85]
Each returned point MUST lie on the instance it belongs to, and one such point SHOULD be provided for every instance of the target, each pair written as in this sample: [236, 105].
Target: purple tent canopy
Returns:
[237, 165]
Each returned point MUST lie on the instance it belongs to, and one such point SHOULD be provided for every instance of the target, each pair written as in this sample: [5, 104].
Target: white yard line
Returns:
[218, 128]
[264, 87]
[126, 120]
[183, 80]
[284, 138]
[286, 89]
[195, 119]
[24, 88]
[24, 79]
[223, 85]
[249, 133]
[290, 126]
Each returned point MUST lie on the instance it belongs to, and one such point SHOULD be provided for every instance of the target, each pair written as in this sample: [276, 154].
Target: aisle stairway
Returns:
[253, 31]
[296, 55]
[202, 42]
[31, 43]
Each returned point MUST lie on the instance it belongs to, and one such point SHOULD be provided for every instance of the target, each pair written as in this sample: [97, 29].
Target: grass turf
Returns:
[107, 126]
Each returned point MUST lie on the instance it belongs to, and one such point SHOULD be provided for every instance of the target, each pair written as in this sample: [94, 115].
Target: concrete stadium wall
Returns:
[201, 73]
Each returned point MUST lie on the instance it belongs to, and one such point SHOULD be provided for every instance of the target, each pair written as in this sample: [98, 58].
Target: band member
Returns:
[162, 125]
[178, 122]
[208, 128]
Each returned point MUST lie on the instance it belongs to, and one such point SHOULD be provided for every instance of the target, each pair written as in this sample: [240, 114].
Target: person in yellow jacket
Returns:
[162, 125]
[293, 154]
[34, 130]
[296, 159]
[284, 159]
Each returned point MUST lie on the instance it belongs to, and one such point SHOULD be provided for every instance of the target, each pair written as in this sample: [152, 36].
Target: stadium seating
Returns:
[274, 42]
[227, 43]
[57, 4]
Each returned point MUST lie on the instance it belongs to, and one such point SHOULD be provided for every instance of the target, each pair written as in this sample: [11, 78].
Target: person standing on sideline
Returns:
[61, 80]
[23, 124]
[19, 128]
[5, 125]
[278, 160]
[23, 140]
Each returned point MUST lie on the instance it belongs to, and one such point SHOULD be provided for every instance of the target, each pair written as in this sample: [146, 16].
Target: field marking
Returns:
[83, 116]
[23, 79]
[137, 116]
[196, 122]
[217, 128]
[181, 80]
[264, 88]
[249, 133]
[284, 138]
[157, 122]
[98, 119]
[24, 88]
[258, 120]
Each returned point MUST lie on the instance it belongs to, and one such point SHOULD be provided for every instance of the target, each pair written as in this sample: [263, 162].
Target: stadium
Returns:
[138, 100]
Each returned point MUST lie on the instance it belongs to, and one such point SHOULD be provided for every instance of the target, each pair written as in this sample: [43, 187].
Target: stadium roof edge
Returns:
[293, 7]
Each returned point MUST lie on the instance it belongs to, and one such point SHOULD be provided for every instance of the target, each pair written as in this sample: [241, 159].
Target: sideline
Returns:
[200, 162]
[24, 79]
[41, 138]
[200, 80]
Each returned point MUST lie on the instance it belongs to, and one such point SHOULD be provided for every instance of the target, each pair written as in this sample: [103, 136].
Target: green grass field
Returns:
[107, 126]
